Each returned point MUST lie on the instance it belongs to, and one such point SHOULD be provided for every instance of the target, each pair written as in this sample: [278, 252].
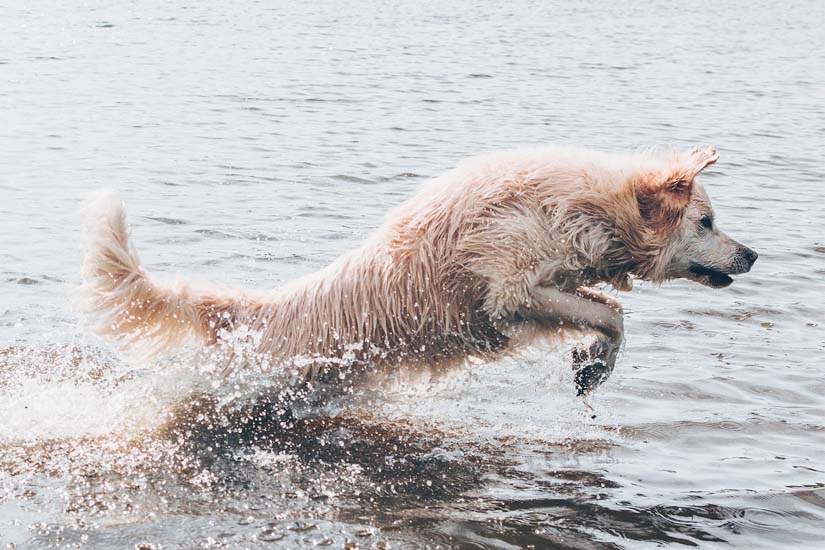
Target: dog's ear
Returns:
[662, 197]
[700, 158]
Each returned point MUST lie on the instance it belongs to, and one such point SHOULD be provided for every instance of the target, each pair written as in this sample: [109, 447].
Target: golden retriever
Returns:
[504, 245]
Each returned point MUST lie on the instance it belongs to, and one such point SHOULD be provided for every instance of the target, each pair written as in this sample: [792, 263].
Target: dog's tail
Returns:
[123, 303]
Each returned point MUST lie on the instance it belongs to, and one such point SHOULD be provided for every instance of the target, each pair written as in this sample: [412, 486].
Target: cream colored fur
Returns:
[502, 241]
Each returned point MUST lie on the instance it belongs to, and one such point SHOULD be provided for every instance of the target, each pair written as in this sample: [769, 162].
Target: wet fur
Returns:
[458, 269]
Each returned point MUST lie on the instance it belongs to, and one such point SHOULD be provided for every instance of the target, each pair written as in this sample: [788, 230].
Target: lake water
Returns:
[255, 141]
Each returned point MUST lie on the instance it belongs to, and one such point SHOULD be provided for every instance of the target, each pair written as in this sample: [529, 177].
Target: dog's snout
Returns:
[750, 256]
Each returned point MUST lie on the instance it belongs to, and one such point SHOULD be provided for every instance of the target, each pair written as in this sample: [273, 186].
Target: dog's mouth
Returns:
[709, 276]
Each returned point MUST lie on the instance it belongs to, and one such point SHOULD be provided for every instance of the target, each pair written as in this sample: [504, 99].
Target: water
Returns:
[256, 141]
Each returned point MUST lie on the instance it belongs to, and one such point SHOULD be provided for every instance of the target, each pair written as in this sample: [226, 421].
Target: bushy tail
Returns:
[123, 303]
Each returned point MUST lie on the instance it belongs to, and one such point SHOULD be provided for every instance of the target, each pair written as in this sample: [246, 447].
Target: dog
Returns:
[503, 246]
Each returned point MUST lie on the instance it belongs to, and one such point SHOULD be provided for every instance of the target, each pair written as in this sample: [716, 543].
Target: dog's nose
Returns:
[751, 256]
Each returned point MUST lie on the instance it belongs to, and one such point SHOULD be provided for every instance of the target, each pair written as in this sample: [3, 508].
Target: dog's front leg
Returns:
[585, 309]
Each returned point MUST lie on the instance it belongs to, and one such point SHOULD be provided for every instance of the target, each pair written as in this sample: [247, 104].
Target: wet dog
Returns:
[503, 246]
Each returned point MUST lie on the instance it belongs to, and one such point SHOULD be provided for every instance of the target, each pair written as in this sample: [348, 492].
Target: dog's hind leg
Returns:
[584, 309]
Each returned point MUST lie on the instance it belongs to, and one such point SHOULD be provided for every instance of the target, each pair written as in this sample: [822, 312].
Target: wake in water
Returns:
[107, 446]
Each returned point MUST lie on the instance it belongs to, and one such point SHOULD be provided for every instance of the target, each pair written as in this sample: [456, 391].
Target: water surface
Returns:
[255, 141]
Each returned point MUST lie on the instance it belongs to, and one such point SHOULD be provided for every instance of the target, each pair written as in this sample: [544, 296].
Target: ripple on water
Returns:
[710, 429]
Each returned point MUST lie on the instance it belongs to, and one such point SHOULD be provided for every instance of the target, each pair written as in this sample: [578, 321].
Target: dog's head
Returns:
[677, 208]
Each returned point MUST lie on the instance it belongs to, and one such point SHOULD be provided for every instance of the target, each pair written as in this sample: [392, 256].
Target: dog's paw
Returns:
[599, 348]
[623, 284]
[590, 376]
[593, 364]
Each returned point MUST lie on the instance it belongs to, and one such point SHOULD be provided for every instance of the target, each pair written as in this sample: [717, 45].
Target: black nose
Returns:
[751, 256]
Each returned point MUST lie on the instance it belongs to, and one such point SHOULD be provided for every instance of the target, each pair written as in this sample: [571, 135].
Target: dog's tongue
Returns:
[710, 277]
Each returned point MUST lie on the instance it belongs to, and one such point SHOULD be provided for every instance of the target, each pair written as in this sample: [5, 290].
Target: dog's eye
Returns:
[706, 222]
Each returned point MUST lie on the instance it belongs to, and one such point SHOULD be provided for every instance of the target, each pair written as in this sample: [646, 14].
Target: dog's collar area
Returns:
[709, 276]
